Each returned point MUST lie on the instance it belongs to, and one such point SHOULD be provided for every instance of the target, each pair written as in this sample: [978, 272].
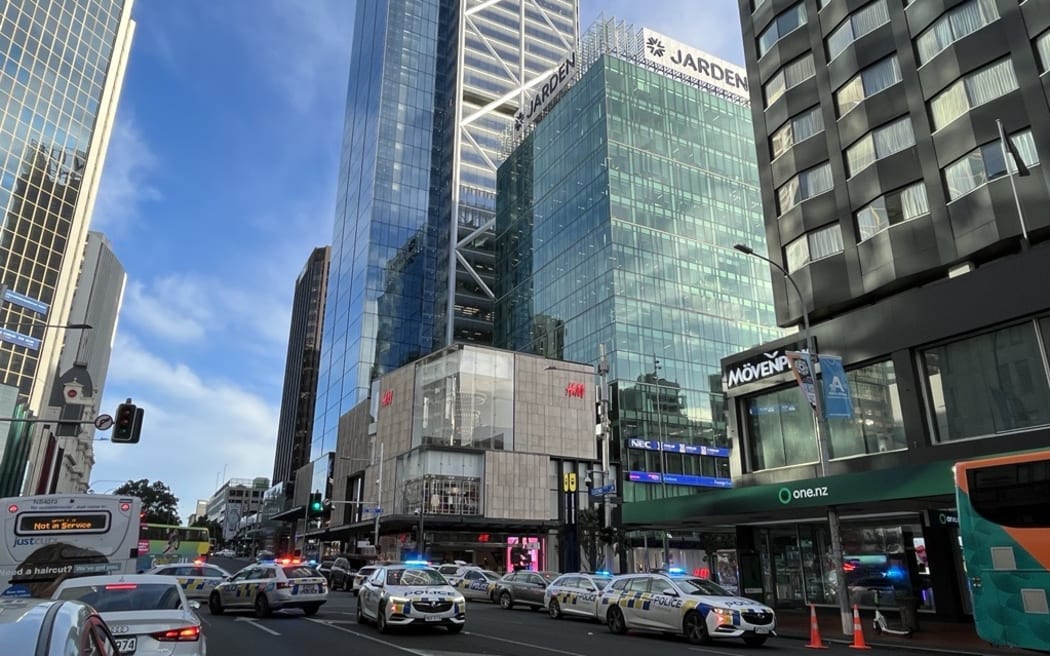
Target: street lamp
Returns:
[823, 449]
[65, 326]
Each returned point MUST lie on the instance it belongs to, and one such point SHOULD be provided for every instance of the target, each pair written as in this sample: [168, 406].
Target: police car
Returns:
[197, 579]
[474, 582]
[269, 586]
[400, 595]
[575, 594]
[687, 605]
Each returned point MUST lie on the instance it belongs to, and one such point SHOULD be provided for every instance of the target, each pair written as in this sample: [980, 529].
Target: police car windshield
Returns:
[414, 577]
[702, 587]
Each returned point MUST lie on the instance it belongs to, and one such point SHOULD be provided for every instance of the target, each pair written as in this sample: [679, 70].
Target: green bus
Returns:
[160, 544]
[1004, 527]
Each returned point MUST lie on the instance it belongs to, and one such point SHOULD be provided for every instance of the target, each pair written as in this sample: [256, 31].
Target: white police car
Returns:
[575, 595]
[400, 595]
[270, 586]
[474, 582]
[197, 579]
[697, 608]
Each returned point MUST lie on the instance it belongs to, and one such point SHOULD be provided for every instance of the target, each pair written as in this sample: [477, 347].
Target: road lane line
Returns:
[257, 625]
[528, 644]
[375, 639]
[703, 650]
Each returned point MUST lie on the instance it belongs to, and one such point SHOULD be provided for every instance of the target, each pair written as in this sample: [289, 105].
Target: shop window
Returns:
[989, 384]
[877, 425]
[781, 430]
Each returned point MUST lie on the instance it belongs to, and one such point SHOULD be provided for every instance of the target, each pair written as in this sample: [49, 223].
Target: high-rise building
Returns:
[235, 499]
[613, 218]
[96, 302]
[433, 86]
[300, 369]
[61, 71]
[889, 198]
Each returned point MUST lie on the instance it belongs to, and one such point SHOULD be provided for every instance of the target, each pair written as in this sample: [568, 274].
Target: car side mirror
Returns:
[195, 605]
[670, 592]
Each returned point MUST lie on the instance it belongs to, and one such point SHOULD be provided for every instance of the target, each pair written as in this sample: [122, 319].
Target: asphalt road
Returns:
[490, 631]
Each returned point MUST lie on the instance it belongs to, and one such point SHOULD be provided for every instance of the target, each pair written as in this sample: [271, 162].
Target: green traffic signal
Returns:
[316, 505]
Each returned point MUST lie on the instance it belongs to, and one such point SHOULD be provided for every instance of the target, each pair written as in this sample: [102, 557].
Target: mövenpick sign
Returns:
[697, 64]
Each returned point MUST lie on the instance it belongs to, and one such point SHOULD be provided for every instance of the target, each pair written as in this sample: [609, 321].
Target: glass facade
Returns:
[612, 220]
[412, 261]
[55, 61]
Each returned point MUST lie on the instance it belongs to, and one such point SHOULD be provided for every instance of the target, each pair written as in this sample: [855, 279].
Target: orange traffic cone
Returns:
[858, 631]
[815, 641]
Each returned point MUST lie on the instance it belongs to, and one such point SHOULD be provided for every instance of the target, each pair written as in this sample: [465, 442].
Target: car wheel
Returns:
[755, 641]
[695, 629]
[554, 609]
[360, 614]
[215, 604]
[262, 606]
[616, 622]
[312, 609]
[381, 620]
[505, 602]
[455, 628]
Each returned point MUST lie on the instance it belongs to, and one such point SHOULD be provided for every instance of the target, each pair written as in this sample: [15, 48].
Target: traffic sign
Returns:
[604, 490]
[103, 422]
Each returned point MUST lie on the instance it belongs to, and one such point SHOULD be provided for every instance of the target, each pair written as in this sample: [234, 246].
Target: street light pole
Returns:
[663, 456]
[824, 449]
[379, 500]
[605, 437]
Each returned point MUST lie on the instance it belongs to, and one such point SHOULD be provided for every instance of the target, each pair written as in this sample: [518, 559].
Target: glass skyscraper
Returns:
[434, 84]
[616, 218]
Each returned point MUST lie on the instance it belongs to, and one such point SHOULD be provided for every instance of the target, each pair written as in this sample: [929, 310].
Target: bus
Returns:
[160, 544]
[49, 538]
[1004, 527]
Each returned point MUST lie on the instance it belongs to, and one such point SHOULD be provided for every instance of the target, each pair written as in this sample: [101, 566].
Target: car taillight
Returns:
[187, 634]
[281, 585]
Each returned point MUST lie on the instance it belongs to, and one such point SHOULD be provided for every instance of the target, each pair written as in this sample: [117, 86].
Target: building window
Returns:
[757, 4]
[807, 184]
[873, 79]
[788, 77]
[781, 431]
[971, 91]
[986, 163]
[815, 246]
[880, 142]
[1042, 46]
[784, 24]
[878, 424]
[989, 384]
[893, 208]
[441, 495]
[799, 128]
[961, 21]
[857, 25]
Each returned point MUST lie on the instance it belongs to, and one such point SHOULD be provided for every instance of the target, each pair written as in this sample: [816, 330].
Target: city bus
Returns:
[160, 544]
[49, 538]
[1004, 526]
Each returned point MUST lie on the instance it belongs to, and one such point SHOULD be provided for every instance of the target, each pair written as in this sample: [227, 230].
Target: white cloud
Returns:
[193, 427]
[172, 308]
[125, 188]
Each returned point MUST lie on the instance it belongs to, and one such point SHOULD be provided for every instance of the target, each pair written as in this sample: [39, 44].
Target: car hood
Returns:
[732, 603]
[439, 592]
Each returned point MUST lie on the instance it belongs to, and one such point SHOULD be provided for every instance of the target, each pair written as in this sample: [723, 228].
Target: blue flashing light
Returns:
[417, 563]
[603, 573]
[311, 562]
[896, 573]
[676, 570]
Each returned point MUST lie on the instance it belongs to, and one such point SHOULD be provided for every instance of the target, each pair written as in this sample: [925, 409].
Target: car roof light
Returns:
[676, 570]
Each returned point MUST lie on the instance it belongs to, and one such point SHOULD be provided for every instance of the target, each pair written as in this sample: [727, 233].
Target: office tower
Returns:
[300, 369]
[614, 212]
[433, 86]
[61, 71]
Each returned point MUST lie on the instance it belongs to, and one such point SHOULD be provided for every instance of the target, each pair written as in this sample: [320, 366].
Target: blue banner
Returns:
[27, 302]
[678, 447]
[12, 337]
[837, 400]
[679, 479]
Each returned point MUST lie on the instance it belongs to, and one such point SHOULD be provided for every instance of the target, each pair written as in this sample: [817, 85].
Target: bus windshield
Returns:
[49, 538]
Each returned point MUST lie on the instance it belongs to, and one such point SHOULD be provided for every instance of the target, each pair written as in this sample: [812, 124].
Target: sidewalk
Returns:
[933, 636]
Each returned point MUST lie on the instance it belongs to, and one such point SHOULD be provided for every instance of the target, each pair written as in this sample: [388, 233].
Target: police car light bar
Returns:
[418, 563]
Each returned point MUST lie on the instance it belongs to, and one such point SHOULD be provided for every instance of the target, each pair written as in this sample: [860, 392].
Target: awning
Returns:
[913, 487]
[290, 515]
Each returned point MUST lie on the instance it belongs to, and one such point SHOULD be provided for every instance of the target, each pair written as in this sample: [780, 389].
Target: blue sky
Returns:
[218, 182]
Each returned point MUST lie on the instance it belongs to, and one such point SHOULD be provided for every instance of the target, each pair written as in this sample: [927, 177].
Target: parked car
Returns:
[360, 576]
[325, 568]
[225, 553]
[523, 588]
[28, 626]
[341, 574]
[197, 579]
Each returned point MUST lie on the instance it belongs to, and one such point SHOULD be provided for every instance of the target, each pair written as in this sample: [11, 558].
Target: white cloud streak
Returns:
[125, 186]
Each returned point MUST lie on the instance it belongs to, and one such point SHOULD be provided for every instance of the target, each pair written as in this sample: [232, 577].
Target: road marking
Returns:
[528, 644]
[368, 637]
[714, 651]
[257, 625]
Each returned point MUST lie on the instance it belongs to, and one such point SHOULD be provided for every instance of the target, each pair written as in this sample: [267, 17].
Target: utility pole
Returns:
[658, 396]
[379, 500]
[605, 435]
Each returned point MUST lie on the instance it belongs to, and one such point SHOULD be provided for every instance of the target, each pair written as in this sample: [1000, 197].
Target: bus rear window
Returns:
[1012, 495]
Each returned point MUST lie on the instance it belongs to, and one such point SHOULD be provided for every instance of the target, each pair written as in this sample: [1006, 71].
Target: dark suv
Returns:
[341, 575]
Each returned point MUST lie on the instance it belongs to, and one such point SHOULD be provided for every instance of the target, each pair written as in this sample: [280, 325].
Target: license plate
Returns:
[308, 589]
[431, 618]
[127, 645]
[762, 631]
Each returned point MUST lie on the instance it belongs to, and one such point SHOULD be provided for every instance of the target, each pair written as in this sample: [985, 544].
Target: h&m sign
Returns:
[697, 64]
[575, 389]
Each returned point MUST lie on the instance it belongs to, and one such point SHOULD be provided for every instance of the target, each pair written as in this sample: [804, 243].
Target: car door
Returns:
[235, 592]
[635, 601]
[665, 604]
[586, 602]
[533, 589]
[371, 591]
[567, 593]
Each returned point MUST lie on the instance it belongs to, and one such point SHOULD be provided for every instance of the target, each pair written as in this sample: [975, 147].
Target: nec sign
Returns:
[575, 389]
[759, 367]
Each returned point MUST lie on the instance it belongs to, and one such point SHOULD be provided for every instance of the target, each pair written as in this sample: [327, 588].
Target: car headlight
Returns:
[460, 599]
[397, 604]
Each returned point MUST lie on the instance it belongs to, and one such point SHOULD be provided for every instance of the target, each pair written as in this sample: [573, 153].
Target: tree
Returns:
[159, 504]
[214, 530]
[589, 525]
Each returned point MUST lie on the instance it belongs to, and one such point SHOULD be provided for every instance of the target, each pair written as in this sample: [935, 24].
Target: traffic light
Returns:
[316, 505]
[127, 424]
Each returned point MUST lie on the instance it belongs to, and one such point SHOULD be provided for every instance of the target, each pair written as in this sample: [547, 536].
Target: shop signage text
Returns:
[697, 64]
[535, 106]
[759, 367]
[575, 389]
[387, 398]
[787, 494]
[678, 447]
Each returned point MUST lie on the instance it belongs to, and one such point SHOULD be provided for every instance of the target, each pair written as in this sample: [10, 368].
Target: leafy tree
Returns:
[159, 504]
[214, 530]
